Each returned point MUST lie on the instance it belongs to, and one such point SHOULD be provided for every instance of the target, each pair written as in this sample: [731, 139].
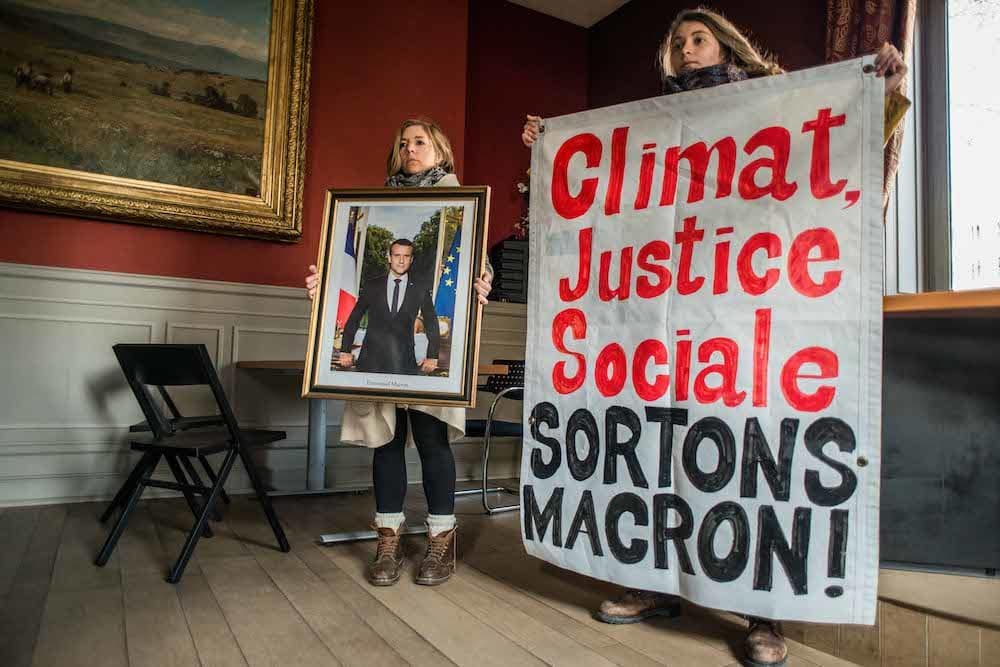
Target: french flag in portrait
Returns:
[348, 281]
[444, 302]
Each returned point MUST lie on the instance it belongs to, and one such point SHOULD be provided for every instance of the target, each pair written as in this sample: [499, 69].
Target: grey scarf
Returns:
[705, 77]
[423, 179]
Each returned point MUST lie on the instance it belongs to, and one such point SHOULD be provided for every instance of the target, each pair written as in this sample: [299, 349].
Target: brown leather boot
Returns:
[765, 645]
[385, 568]
[439, 561]
[636, 605]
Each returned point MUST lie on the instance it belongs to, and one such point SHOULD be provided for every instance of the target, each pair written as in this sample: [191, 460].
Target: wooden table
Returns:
[967, 303]
[316, 438]
[293, 366]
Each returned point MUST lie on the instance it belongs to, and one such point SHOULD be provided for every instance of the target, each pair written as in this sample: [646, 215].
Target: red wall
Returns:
[623, 46]
[520, 62]
[374, 64]
[475, 66]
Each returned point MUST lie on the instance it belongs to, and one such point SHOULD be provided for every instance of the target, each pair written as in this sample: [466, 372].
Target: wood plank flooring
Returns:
[242, 602]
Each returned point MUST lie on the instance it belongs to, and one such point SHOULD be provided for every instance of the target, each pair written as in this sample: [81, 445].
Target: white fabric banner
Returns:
[703, 379]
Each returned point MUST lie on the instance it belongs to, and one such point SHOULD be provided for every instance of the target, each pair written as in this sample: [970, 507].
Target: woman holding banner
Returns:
[420, 156]
[700, 50]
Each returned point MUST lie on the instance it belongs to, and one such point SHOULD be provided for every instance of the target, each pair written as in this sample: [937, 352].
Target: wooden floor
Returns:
[242, 602]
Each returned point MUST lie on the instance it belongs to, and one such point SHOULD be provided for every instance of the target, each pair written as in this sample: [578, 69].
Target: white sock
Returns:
[393, 521]
[439, 523]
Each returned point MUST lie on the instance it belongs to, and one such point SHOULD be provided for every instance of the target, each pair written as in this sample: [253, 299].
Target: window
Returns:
[974, 142]
[943, 223]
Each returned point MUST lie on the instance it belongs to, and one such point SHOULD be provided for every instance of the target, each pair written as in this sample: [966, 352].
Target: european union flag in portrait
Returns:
[444, 303]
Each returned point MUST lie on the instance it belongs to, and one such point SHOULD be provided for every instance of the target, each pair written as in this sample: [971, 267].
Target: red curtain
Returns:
[858, 27]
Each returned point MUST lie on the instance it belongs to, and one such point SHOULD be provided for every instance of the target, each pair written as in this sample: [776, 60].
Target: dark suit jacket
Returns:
[388, 343]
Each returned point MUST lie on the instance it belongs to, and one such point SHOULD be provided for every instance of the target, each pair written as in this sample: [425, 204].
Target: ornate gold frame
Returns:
[466, 396]
[274, 214]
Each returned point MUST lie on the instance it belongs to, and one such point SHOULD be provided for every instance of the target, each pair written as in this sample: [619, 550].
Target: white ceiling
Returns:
[583, 13]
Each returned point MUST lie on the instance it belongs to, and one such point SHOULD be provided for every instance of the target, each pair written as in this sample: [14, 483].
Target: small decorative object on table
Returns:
[510, 263]
[521, 226]
[510, 257]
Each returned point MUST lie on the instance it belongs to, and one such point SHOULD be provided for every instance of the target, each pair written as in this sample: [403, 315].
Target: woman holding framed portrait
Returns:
[420, 156]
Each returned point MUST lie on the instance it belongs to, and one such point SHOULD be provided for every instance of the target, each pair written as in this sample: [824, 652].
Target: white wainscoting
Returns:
[65, 407]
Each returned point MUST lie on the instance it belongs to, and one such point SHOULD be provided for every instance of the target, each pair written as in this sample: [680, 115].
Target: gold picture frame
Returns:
[443, 231]
[270, 210]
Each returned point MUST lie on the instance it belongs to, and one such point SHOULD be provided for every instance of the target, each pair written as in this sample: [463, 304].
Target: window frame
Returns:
[918, 216]
[934, 155]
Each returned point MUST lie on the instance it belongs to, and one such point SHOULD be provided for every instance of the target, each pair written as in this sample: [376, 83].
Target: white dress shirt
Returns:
[390, 286]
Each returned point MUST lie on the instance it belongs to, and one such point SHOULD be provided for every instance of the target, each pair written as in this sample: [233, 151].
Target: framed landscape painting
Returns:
[178, 113]
[395, 317]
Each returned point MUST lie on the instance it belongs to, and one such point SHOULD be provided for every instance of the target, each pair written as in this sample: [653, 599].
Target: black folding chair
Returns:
[178, 422]
[178, 440]
[509, 386]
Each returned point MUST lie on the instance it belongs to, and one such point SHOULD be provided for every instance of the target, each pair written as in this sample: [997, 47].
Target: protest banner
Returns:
[703, 382]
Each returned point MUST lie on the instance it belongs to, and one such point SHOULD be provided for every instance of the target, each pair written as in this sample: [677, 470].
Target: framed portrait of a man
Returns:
[395, 317]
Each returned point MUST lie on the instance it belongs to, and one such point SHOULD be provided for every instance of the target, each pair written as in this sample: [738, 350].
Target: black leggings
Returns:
[389, 465]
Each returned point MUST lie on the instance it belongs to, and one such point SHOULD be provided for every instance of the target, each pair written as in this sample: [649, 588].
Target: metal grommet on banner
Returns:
[532, 420]
[868, 69]
[862, 461]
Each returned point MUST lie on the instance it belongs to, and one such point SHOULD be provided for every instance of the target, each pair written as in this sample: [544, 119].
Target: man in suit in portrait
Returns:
[393, 301]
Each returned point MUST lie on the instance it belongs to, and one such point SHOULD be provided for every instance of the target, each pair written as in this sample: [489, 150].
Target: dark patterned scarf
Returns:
[704, 77]
[423, 179]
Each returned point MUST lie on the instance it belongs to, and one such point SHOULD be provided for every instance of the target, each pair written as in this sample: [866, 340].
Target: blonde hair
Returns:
[736, 48]
[442, 147]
